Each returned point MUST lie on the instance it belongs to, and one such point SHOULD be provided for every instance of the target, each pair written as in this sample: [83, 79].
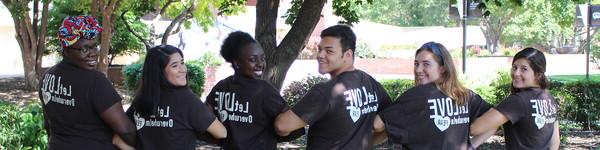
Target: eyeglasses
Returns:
[85, 50]
[436, 50]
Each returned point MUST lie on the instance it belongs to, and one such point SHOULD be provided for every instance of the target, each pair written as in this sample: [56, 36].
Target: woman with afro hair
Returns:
[244, 103]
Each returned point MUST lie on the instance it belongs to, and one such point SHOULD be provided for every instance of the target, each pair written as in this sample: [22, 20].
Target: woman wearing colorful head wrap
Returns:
[81, 108]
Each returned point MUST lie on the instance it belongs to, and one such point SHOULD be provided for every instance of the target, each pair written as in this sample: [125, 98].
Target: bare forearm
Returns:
[555, 143]
[480, 139]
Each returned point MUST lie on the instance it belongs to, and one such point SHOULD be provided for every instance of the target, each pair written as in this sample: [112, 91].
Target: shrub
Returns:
[297, 89]
[210, 59]
[395, 87]
[585, 98]
[22, 128]
[133, 73]
[500, 88]
[363, 50]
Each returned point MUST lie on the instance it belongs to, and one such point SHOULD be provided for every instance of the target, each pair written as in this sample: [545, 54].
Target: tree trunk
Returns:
[106, 36]
[30, 41]
[280, 58]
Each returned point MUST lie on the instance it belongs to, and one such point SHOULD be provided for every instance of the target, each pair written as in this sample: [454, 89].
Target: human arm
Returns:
[118, 141]
[555, 141]
[118, 122]
[217, 130]
[490, 120]
[287, 122]
[477, 140]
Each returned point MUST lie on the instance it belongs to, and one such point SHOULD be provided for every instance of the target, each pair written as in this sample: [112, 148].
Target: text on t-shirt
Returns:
[359, 101]
[231, 109]
[446, 113]
[543, 112]
[55, 91]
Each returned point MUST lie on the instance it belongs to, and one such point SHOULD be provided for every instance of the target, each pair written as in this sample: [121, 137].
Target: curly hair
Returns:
[234, 43]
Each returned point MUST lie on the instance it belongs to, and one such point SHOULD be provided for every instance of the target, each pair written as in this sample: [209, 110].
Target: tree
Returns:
[181, 13]
[543, 23]
[407, 12]
[30, 34]
[500, 12]
[304, 17]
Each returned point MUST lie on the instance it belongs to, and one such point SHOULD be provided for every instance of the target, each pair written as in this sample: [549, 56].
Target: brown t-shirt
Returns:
[179, 118]
[340, 112]
[425, 118]
[247, 108]
[531, 114]
[73, 99]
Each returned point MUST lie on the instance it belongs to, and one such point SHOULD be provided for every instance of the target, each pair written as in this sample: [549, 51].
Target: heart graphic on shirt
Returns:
[139, 121]
[46, 97]
[539, 120]
[223, 115]
[441, 123]
[354, 113]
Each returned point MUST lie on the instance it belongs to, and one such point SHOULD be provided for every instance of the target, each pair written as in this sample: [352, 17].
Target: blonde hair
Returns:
[448, 82]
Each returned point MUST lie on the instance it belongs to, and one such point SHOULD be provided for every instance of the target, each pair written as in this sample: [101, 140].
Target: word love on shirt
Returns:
[446, 113]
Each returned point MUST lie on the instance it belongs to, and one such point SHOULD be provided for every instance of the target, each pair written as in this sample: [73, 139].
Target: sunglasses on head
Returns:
[436, 50]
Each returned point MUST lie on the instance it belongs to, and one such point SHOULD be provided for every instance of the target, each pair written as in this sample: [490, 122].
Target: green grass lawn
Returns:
[569, 78]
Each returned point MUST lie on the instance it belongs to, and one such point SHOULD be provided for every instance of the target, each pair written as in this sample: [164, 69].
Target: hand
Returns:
[117, 141]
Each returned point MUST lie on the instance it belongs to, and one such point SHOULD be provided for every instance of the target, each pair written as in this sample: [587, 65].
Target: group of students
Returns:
[350, 111]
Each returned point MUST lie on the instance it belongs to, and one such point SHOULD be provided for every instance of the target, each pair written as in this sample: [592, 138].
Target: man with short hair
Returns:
[340, 112]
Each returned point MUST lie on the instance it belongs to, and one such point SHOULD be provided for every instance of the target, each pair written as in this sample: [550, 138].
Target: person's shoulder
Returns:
[185, 94]
[418, 92]
[223, 82]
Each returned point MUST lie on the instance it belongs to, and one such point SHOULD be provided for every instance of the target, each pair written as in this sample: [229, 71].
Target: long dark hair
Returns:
[537, 62]
[448, 82]
[153, 79]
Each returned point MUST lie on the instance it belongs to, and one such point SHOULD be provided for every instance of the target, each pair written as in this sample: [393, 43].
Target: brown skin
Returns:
[114, 116]
[251, 61]
[87, 60]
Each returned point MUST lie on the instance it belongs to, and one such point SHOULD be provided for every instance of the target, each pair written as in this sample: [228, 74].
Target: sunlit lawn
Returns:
[569, 78]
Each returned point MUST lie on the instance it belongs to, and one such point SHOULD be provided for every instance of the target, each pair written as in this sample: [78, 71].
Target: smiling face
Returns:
[84, 53]
[176, 71]
[251, 61]
[523, 75]
[426, 69]
[330, 57]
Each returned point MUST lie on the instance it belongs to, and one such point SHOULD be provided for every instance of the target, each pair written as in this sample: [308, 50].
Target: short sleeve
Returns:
[511, 108]
[273, 103]
[477, 106]
[210, 98]
[200, 116]
[313, 106]
[393, 120]
[130, 112]
[383, 98]
[103, 94]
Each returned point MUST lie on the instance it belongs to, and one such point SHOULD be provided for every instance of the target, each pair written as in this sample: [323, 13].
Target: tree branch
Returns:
[42, 37]
[177, 20]
[146, 42]
[164, 8]
[35, 16]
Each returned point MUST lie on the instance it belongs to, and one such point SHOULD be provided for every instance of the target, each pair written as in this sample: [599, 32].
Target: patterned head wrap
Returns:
[75, 27]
